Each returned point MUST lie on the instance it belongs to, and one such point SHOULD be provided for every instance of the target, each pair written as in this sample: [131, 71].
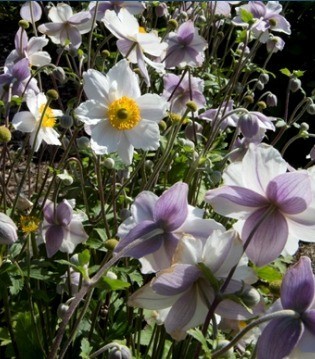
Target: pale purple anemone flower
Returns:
[266, 16]
[188, 88]
[62, 230]
[31, 11]
[185, 47]
[134, 7]
[289, 337]
[8, 230]
[30, 49]
[215, 115]
[17, 76]
[182, 295]
[274, 207]
[222, 8]
[275, 44]
[159, 222]
[66, 27]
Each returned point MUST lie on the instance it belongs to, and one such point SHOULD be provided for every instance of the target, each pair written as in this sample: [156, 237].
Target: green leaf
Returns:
[246, 16]
[298, 73]
[268, 273]
[85, 349]
[286, 72]
[84, 257]
[112, 284]
[16, 285]
[197, 334]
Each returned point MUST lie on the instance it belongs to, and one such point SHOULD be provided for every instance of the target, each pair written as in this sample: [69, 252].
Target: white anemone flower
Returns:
[116, 116]
[36, 121]
[133, 41]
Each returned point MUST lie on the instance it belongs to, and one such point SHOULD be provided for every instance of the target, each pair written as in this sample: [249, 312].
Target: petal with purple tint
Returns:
[176, 279]
[174, 56]
[53, 237]
[279, 338]
[49, 211]
[171, 208]
[298, 286]
[20, 41]
[186, 32]
[292, 192]
[63, 213]
[143, 206]
[269, 235]
[21, 70]
[235, 201]
[151, 235]
[31, 11]
[308, 318]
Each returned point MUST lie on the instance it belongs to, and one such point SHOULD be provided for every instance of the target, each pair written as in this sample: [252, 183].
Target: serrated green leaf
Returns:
[298, 73]
[267, 273]
[16, 285]
[112, 284]
[197, 334]
[286, 72]
[84, 257]
[85, 349]
[246, 16]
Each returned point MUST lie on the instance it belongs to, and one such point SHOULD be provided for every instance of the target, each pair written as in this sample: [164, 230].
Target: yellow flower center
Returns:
[142, 30]
[124, 114]
[29, 224]
[48, 119]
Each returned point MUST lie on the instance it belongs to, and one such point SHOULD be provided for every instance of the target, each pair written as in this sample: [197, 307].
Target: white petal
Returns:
[36, 44]
[125, 150]
[123, 26]
[153, 107]
[91, 112]
[105, 138]
[74, 235]
[96, 86]
[40, 58]
[50, 136]
[145, 135]
[24, 121]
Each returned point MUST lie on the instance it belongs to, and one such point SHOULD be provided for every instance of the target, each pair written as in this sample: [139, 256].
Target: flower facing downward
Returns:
[289, 337]
[116, 116]
[275, 208]
[62, 230]
[8, 230]
[39, 121]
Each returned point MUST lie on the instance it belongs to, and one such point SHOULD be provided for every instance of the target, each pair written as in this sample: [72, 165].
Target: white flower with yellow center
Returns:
[116, 116]
[40, 120]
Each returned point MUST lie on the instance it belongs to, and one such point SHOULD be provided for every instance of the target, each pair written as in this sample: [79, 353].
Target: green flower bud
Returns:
[83, 142]
[262, 105]
[62, 310]
[110, 244]
[162, 125]
[249, 99]
[109, 163]
[260, 86]
[295, 84]
[264, 78]
[192, 106]
[66, 121]
[120, 352]
[105, 54]
[52, 94]
[173, 24]
[5, 135]
[24, 24]
[311, 109]
[250, 297]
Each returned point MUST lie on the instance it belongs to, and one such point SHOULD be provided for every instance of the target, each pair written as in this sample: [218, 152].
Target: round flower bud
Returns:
[271, 100]
[5, 134]
[260, 86]
[264, 78]
[311, 109]
[83, 142]
[304, 126]
[62, 310]
[262, 105]
[192, 106]
[105, 54]
[275, 286]
[249, 99]
[24, 24]
[295, 84]
[8, 230]
[60, 74]
[66, 121]
[250, 296]
[120, 352]
[162, 125]
[52, 94]
[173, 24]
[148, 165]
[221, 344]
[110, 244]
[109, 163]
[111, 275]
[175, 117]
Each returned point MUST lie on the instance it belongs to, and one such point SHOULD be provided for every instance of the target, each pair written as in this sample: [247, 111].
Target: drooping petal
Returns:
[308, 319]
[279, 338]
[74, 234]
[172, 207]
[176, 279]
[268, 239]
[53, 237]
[143, 206]
[31, 10]
[49, 212]
[63, 213]
[234, 201]
[291, 191]
[298, 286]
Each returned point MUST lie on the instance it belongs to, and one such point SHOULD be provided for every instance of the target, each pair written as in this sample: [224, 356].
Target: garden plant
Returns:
[148, 208]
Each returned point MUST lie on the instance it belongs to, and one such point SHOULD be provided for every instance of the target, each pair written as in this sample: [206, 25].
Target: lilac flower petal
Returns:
[150, 232]
[186, 32]
[291, 191]
[308, 319]
[20, 41]
[49, 212]
[174, 57]
[172, 207]
[63, 213]
[176, 279]
[279, 338]
[234, 201]
[143, 206]
[54, 238]
[298, 286]
[29, 10]
[21, 70]
[269, 237]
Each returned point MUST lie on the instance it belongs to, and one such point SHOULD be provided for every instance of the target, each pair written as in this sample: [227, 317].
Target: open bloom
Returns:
[8, 230]
[182, 294]
[133, 41]
[38, 123]
[134, 7]
[65, 26]
[275, 208]
[290, 337]
[185, 47]
[116, 116]
[62, 230]
[159, 222]
[188, 88]
[30, 49]
[266, 17]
